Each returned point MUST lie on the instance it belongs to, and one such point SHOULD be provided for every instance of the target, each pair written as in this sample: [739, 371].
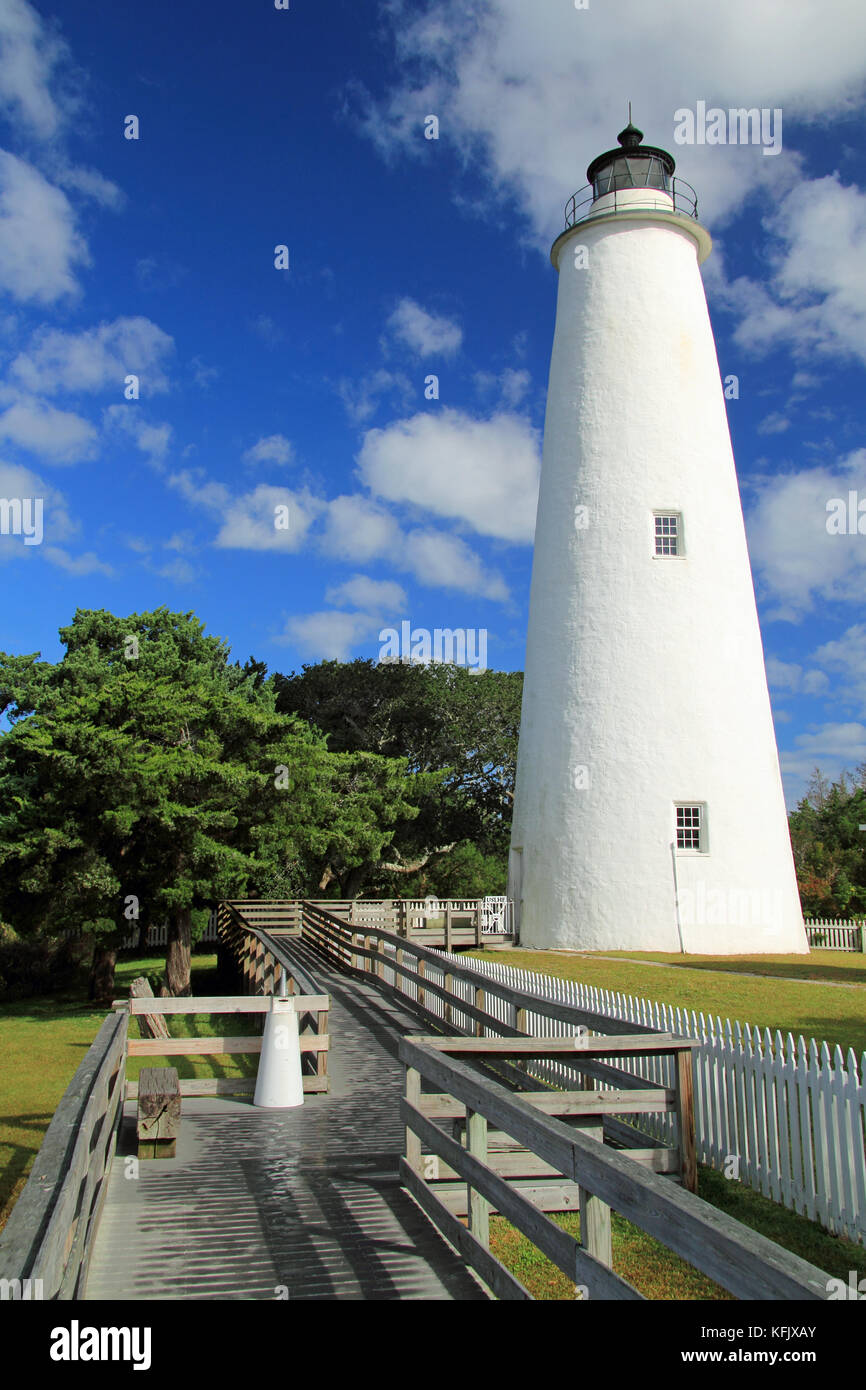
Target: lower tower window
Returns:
[691, 828]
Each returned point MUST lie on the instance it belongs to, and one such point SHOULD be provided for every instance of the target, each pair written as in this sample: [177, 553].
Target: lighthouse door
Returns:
[515, 885]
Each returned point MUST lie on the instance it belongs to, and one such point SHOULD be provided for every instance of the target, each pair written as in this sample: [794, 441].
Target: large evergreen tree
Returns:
[144, 778]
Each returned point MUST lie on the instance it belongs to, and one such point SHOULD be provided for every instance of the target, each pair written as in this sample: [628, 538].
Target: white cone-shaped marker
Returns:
[279, 1084]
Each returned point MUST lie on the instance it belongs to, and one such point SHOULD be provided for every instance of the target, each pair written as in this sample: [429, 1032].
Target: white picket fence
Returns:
[834, 934]
[786, 1117]
[158, 936]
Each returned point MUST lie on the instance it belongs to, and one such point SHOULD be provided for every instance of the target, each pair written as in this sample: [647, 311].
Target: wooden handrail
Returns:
[745, 1263]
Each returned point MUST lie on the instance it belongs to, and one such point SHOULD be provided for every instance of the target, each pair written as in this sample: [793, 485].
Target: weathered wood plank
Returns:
[660, 1043]
[223, 1004]
[226, 1086]
[159, 1112]
[149, 1024]
[212, 1047]
[443, 1107]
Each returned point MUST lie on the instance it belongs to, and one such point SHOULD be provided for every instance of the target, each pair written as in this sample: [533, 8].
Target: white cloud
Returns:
[796, 560]
[833, 748]
[179, 571]
[362, 396]
[152, 440]
[503, 77]
[358, 530]
[97, 359]
[512, 385]
[200, 491]
[330, 635]
[91, 184]
[482, 472]
[442, 561]
[254, 520]
[29, 54]
[814, 297]
[774, 423]
[57, 525]
[846, 655]
[378, 596]
[275, 448]
[88, 563]
[58, 436]
[250, 521]
[423, 333]
[39, 243]
[787, 675]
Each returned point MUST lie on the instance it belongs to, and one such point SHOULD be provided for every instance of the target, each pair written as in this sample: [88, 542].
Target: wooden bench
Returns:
[158, 1112]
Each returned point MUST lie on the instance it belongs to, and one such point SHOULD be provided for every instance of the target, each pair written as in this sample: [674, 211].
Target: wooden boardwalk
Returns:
[302, 1203]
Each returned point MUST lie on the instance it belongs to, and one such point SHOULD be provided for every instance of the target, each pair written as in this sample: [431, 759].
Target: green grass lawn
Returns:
[707, 984]
[43, 1040]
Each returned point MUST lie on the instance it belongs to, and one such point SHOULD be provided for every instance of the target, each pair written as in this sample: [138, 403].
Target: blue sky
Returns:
[305, 387]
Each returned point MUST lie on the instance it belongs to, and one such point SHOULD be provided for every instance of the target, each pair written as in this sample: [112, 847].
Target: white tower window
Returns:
[668, 533]
[691, 828]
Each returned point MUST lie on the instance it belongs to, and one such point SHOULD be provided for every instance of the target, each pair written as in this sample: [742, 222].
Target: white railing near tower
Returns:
[786, 1117]
[835, 934]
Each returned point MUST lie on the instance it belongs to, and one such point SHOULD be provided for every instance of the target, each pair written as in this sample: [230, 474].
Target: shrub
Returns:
[39, 964]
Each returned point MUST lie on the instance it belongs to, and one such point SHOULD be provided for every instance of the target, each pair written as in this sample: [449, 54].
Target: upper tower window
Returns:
[668, 533]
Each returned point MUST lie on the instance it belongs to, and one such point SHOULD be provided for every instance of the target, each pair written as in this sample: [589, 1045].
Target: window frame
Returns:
[668, 514]
[703, 840]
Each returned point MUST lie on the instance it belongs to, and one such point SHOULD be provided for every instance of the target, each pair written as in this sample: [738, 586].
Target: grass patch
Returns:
[44, 1039]
[816, 1010]
[659, 1274]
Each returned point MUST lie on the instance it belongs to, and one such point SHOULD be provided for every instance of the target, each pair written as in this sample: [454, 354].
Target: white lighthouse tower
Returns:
[649, 811]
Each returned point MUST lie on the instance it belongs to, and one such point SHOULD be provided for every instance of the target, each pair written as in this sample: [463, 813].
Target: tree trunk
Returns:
[142, 936]
[353, 881]
[101, 986]
[178, 952]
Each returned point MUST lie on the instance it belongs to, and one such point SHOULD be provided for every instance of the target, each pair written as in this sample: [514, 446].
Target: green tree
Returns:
[143, 778]
[442, 719]
[829, 847]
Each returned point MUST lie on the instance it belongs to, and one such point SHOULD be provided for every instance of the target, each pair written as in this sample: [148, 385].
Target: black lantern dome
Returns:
[633, 165]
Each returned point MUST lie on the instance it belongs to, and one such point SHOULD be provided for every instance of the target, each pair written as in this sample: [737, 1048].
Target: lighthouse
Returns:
[649, 812]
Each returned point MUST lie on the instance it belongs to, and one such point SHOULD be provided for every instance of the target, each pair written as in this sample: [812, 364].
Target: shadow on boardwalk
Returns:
[304, 1204]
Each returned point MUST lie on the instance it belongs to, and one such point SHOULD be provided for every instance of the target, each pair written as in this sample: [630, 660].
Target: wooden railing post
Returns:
[447, 926]
[479, 1209]
[413, 1097]
[595, 1227]
[419, 966]
[479, 1004]
[686, 1120]
[448, 986]
[478, 925]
